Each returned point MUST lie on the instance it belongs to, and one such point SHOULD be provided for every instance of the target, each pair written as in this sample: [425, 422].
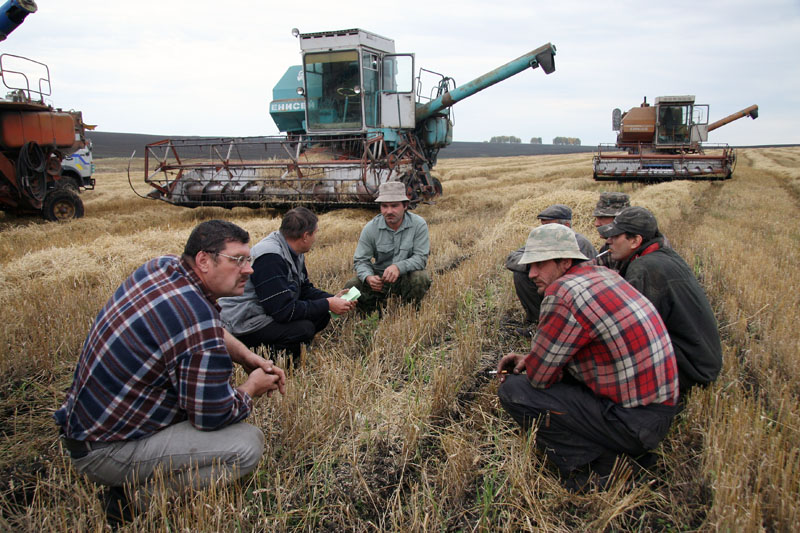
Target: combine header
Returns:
[354, 115]
[664, 142]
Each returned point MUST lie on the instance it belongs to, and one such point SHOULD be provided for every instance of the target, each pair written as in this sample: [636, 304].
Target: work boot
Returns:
[526, 332]
[117, 507]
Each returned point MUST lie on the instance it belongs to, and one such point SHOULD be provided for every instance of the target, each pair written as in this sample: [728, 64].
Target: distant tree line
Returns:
[572, 141]
[505, 139]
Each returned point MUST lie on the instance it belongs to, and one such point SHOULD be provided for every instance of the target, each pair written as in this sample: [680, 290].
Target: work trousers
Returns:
[288, 336]
[529, 296]
[411, 287]
[186, 456]
[575, 426]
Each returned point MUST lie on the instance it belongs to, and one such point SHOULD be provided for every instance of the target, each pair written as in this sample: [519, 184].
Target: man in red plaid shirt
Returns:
[601, 376]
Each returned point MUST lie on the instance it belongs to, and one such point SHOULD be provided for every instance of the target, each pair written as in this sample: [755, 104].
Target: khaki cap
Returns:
[392, 191]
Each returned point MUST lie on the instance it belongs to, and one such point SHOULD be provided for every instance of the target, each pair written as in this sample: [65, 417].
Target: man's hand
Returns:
[511, 363]
[259, 382]
[375, 283]
[339, 306]
[391, 274]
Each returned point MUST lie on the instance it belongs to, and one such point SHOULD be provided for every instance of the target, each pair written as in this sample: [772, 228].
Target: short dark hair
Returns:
[212, 235]
[297, 222]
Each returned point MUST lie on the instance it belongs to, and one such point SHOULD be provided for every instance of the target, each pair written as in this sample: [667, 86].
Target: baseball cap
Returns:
[634, 220]
[611, 203]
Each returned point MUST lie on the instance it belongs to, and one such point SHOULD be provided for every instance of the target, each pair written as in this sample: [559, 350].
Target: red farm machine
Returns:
[354, 116]
[666, 142]
[34, 136]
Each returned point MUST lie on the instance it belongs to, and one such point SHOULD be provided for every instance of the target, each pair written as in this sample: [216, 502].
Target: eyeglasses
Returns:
[240, 260]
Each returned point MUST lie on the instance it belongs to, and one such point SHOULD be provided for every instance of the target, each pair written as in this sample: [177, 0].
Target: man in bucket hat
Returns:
[659, 273]
[601, 378]
[392, 252]
[608, 206]
[526, 290]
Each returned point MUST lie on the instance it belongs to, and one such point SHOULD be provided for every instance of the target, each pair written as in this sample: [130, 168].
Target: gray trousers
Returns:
[187, 457]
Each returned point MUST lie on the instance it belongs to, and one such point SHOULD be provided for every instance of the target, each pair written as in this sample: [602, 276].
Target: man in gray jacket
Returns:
[392, 252]
[280, 308]
[526, 290]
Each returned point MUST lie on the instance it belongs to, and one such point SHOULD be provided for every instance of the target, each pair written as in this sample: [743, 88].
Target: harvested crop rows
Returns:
[393, 424]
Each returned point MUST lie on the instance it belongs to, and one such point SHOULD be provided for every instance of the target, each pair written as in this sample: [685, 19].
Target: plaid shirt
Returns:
[606, 334]
[155, 356]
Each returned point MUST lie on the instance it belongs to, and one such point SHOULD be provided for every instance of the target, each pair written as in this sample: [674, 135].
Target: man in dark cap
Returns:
[526, 291]
[665, 279]
[608, 206]
[600, 379]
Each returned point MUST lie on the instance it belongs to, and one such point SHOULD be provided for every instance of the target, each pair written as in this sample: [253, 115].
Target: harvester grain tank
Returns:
[666, 142]
[355, 116]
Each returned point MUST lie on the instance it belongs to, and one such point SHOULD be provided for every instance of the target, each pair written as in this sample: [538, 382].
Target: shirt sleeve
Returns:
[205, 394]
[559, 337]
[278, 296]
[421, 248]
[512, 261]
[365, 251]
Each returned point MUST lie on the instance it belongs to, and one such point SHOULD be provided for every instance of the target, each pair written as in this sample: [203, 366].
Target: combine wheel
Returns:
[62, 204]
[437, 186]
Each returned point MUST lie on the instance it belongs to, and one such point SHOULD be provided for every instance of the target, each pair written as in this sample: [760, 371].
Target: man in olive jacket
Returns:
[392, 253]
[668, 282]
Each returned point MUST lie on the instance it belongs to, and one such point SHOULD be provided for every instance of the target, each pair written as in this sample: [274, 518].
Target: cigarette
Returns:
[602, 254]
[501, 372]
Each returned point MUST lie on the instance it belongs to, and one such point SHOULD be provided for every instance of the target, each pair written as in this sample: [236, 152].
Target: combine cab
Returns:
[354, 115]
[665, 142]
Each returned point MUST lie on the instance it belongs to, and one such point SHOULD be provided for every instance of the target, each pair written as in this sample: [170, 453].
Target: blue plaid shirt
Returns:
[154, 357]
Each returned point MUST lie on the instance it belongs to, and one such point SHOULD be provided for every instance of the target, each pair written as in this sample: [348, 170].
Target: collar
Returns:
[195, 279]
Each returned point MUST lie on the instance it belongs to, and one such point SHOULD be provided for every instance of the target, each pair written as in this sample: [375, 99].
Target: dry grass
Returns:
[393, 424]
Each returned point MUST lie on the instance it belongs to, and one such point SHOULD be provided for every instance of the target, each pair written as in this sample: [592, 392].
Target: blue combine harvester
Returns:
[354, 116]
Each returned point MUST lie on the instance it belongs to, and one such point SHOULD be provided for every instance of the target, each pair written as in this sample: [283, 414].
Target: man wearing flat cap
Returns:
[526, 290]
[601, 378]
[665, 279]
[392, 252]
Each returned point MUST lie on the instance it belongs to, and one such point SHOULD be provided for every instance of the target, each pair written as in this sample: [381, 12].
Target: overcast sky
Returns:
[200, 67]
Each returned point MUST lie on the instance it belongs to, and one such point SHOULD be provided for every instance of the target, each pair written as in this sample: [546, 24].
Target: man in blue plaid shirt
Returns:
[152, 388]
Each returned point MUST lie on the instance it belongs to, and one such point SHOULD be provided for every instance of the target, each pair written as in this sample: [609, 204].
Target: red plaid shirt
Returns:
[606, 334]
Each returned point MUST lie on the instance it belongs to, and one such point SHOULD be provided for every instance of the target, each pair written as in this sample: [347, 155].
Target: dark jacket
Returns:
[669, 283]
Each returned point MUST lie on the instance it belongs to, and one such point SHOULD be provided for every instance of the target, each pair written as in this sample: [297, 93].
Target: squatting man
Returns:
[601, 378]
[152, 388]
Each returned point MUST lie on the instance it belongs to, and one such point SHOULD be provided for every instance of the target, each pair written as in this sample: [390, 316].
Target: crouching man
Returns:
[392, 252]
[152, 388]
[601, 377]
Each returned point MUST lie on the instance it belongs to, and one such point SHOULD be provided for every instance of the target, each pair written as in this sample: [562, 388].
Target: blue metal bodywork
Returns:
[355, 116]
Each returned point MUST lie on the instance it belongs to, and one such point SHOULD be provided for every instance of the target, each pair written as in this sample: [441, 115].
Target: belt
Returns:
[80, 448]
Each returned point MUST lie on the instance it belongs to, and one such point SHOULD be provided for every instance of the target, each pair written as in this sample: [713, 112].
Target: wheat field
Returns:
[394, 424]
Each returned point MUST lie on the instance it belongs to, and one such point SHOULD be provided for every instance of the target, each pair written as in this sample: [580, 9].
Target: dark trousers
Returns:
[528, 296]
[575, 427]
[289, 336]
